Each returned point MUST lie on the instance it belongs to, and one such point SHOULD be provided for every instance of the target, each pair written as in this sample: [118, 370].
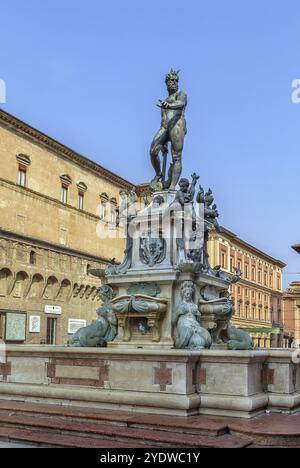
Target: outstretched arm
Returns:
[200, 196]
[220, 300]
[195, 178]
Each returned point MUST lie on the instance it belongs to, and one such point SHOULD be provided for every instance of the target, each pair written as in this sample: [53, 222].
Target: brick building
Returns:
[291, 302]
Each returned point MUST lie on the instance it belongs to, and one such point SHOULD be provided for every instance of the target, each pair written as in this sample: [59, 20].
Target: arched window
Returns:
[51, 288]
[23, 164]
[5, 278]
[20, 284]
[64, 291]
[65, 183]
[36, 287]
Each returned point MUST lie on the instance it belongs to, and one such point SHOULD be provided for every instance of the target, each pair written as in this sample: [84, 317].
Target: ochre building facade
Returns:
[57, 220]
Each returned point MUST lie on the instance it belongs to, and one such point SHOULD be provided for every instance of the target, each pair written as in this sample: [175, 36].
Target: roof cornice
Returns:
[4, 234]
[18, 126]
[232, 236]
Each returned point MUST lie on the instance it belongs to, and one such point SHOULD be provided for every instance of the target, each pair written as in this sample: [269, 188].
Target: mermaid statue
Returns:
[188, 333]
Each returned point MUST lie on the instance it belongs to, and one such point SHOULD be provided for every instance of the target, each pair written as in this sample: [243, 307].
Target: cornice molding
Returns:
[259, 287]
[9, 235]
[32, 193]
[229, 235]
[34, 135]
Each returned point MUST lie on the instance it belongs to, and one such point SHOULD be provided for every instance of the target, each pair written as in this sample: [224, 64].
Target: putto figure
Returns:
[186, 192]
[173, 129]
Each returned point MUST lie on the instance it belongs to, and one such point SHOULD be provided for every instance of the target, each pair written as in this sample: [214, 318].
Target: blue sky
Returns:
[90, 73]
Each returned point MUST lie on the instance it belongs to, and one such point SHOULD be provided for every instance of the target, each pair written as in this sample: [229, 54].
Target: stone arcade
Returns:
[165, 342]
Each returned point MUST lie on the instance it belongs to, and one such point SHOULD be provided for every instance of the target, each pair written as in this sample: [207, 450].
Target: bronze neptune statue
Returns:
[173, 130]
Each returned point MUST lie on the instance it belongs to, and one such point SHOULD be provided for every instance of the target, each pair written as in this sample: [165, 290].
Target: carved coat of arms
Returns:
[152, 250]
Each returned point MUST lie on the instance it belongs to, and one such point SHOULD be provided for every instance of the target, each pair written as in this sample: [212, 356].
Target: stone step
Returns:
[272, 430]
[192, 425]
[48, 439]
[114, 433]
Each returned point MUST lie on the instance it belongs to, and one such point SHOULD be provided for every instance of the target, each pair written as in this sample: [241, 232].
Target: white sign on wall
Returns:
[74, 325]
[50, 309]
[34, 324]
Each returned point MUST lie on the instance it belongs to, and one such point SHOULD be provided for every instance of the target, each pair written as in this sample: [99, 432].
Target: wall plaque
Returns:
[50, 309]
[34, 324]
[15, 326]
[74, 325]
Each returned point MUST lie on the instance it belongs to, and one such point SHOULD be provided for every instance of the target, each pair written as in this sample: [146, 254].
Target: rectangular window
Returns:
[80, 200]
[246, 292]
[223, 260]
[103, 210]
[22, 175]
[247, 271]
[51, 330]
[232, 264]
[271, 280]
[113, 216]
[64, 194]
[239, 265]
[259, 276]
[253, 276]
[266, 279]
[279, 283]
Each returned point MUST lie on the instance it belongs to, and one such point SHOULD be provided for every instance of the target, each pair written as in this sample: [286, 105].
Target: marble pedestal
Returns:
[225, 383]
[169, 281]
